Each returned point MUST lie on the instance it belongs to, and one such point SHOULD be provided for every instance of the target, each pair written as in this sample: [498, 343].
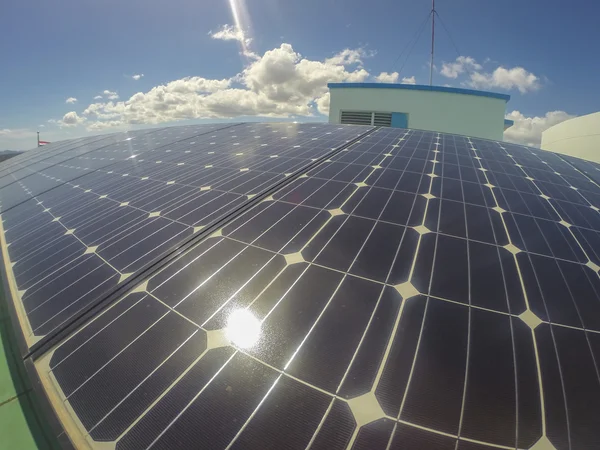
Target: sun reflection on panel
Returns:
[243, 329]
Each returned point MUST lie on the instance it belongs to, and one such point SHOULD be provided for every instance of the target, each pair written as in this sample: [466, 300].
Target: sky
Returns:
[77, 68]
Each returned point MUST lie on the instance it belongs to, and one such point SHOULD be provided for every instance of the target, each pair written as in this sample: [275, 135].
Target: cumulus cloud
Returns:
[528, 130]
[461, 65]
[111, 95]
[323, 104]
[15, 133]
[16, 138]
[283, 76]
[409, 80]
[501, 77]
[71, 100]
[515, 78]
[137, 76]
[280, 83]
[234, 33]
[98, 126]
[71, 119]
[98, 97]
[385, 77]
[349, 56]
[230, 33]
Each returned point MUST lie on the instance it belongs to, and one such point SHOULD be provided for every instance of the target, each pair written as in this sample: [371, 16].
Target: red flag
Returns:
[43, 142]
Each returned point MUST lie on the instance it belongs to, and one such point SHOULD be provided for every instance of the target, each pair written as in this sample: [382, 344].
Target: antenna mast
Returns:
[432, 41]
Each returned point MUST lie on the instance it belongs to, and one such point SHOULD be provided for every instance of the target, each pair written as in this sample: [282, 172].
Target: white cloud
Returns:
[349, 56]
[15, 133]
[409, 80]
[515, 78]
[501, 77]
[234, 33]
[111, 95]
[98, 97]
[461, 65]
[97, 126]
[282, 75]
[71, 100]
[323, 104]
[17, 138]
[528, 130]
[230, 33]
[385, 77]
[71, 119]
[280, 83]
[137, 76]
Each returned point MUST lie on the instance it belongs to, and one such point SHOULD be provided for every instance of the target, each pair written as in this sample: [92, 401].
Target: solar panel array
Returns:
[411, 290]
[106, 213]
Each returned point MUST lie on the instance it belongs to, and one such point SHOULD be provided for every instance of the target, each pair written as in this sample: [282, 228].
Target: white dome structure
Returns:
[578, 137]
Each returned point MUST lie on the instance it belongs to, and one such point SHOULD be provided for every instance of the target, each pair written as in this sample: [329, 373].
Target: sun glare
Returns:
[241, 20]
[243, 329]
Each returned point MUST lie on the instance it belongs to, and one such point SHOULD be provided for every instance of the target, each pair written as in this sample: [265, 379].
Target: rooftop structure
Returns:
[305, 286]
[434, 108]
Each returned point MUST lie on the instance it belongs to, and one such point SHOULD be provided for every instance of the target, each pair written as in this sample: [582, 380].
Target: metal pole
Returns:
[432, 41]
[38, 134]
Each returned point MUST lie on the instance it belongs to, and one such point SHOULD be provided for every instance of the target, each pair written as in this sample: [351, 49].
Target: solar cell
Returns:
[100, 216]
[411, 290]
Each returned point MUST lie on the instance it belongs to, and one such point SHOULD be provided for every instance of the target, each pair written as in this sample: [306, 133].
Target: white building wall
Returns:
[575, 137]
[469, 115]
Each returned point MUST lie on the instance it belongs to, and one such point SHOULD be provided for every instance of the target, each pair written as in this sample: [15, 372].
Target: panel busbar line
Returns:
[413, 287]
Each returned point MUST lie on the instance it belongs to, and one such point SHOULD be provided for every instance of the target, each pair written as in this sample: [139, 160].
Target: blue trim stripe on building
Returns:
[420, 87]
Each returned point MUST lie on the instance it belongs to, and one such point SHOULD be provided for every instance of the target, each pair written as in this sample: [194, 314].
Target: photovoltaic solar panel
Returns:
[588, 168]
[414, 290]
[41, 153]
[102, 215]
[38, 170]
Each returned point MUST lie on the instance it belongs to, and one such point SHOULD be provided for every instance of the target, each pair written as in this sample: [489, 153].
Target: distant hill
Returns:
[7, 154]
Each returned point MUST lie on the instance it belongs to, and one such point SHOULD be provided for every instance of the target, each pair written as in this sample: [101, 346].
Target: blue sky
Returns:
[79, 49]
